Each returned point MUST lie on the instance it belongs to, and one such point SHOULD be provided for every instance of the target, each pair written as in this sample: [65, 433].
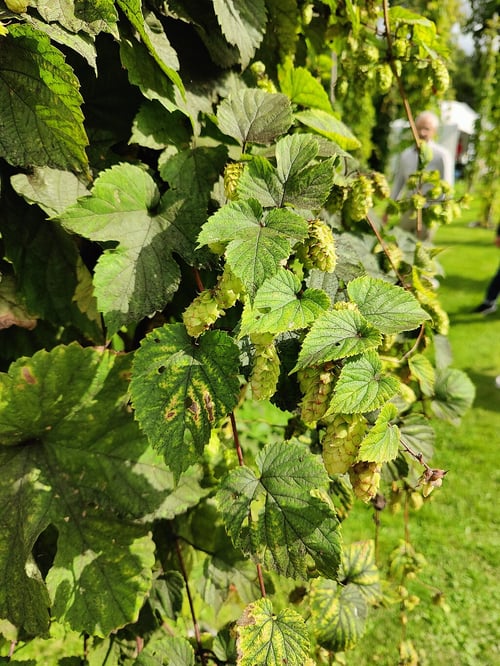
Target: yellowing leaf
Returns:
[268, 639]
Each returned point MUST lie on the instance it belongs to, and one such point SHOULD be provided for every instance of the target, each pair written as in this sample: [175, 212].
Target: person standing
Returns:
[438, 159]
[489, 303]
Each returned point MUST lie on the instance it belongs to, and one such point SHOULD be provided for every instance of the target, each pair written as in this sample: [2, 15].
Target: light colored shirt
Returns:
[407, 164]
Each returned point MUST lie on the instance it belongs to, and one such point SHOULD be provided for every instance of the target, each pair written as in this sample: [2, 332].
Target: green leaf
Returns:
[358, 568]
[361, 386]
[255, 116]
[454, 395]
[296, 180]
[337, 334]
[381, 444]
[338, 614]
[302, 88]
[242, 23]
[154, 127]
[171, 650]
[423, 371]
[97, 556]
[283, 518]
[154, 39]
[52, 189]
[327, 125]
[269, 639]
[92, 18]
[65, 430]
[258, 242]
[139, 276]
[41, 121]
[389, 308]
[181, 389]
[279, 306]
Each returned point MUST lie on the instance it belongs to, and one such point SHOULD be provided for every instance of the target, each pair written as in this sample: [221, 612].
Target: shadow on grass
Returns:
[487, 394]
[466, 284]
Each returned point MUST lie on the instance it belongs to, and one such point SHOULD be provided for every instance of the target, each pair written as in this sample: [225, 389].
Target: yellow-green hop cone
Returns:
[383, 78]
[341, 441]
[360, 199]
[318, 250]
[380, 185]
[201, 314]
[365, 479]
[317, 386]
[232, 173]
[265, 372]
[228, 289]
[441, 76]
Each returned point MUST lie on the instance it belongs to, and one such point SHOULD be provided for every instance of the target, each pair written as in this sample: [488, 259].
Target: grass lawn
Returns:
[458, 530]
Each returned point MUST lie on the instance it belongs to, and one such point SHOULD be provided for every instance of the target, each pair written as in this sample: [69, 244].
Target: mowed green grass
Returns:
[458, 530]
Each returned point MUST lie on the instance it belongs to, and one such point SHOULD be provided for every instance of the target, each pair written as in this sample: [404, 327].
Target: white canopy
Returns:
[459, 114]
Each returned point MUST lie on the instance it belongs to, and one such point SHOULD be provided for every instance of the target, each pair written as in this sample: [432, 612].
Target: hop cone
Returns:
[316, 386]
[440, 75]
[228, 289]
[365, 479]
[265, 372]
[380, 185]
[318, 250]
[360, 199]
[383, 77]
[341, 442]
[201, 313]
[232, 173]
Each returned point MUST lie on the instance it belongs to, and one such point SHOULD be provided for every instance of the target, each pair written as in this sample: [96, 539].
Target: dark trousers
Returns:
[493, 288]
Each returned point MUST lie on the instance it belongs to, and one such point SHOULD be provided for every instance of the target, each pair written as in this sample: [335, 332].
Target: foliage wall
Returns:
[188, 237]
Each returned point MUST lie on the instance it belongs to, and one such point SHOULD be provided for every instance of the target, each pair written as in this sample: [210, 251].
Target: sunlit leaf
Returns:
[266, 638]
[358, 567]
[389, 308]
[381, 444]
[40, 116]
[337, 334]
[181, 388]
[362, 387]
[279, 307]
[338, 614]
[139, 276]
[255, 116]
[283, 517]
[242, 23]
[328, 125]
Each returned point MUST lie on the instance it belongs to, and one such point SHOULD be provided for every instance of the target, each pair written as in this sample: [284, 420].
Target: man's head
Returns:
[427, 124]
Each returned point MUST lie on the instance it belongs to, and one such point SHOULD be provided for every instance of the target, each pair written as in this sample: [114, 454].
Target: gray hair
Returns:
[429, 115]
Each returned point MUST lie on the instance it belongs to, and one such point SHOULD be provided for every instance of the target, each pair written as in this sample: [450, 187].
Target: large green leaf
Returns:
[283, 517]
[255, 116]
[453, 394]
[52, 189]
[362, 387]
[242, 23]
[338, 614]
[328, 125]
[297, 180]
[359, 568]
[40, 117]
[381, 444]
[182, 388]
[154, 39]
[302, 88]
[258, 242]
[280, 306]
[337, 334]
[73, 457]
[75, 16]
[266, 638]
[139, 276]
[389, 308]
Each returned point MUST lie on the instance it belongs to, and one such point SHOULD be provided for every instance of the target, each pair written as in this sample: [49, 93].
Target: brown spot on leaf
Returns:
[193, 407]
[28, 377]
[207, 399]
